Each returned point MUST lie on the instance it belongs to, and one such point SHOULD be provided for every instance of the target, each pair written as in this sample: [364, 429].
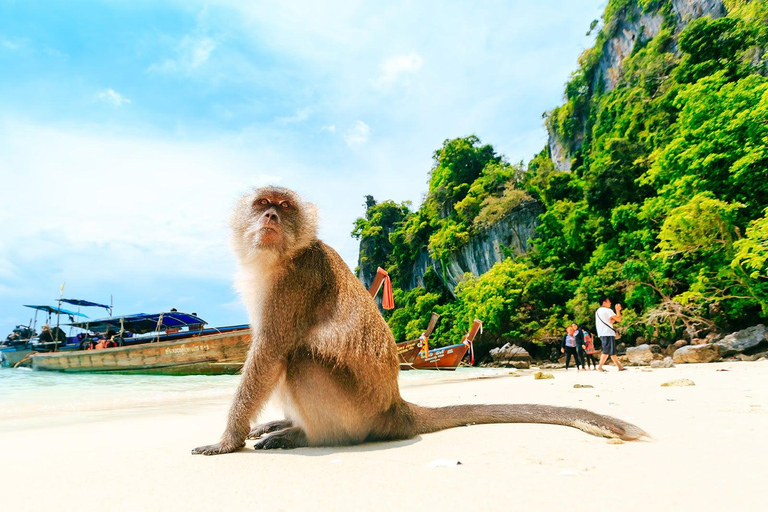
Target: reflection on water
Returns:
[30, 399]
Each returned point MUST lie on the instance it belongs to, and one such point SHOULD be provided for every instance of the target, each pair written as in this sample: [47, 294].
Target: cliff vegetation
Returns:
[653, 188]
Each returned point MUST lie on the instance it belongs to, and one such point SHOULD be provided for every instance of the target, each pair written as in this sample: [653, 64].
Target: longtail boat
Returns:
[24, 340]
[408, 350]
[173, 343]
[448, 358]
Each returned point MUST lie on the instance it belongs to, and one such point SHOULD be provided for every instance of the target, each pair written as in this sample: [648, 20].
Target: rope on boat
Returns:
[23, 359]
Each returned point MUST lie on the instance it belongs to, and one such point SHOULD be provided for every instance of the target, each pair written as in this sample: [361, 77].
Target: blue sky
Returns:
[129, 128]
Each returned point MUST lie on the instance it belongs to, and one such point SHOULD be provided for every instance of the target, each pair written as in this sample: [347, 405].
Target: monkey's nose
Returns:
[271, 216]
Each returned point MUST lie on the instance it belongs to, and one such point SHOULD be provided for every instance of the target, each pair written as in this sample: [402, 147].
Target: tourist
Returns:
[568, 347]
[604, 320]
[578, 333]
[589, 351]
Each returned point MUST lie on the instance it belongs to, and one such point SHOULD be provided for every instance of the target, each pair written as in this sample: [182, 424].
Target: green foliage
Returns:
[665, 207]
[495, 208]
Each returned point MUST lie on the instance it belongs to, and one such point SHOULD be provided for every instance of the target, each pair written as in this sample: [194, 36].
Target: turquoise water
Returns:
[30, 399]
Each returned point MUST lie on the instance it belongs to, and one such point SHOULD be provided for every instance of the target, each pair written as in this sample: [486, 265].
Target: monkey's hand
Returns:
[217, 449]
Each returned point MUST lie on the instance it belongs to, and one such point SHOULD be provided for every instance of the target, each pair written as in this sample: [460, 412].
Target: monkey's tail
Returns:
[428, 419]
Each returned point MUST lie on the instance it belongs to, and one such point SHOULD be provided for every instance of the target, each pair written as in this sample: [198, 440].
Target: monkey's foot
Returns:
[216, 449]
[265, 428]
[288, 438]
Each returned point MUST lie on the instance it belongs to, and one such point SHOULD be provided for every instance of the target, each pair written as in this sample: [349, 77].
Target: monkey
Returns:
[321, 346]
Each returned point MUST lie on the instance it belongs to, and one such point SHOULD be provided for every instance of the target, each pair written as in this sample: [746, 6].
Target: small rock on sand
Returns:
[583, 386]
[678, 382]
[542, 375]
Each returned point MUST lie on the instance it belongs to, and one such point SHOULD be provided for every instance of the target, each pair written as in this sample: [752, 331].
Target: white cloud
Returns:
[192, 52]
[300, 115]
[398, 70]
[113, 97]
[330, 128]
[10, 45]
[357, 134]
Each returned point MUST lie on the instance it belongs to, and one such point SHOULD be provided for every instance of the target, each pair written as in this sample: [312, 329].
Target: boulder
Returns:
[656, 349]
[664, 363]
[621, 348]
[743, 340]
[698, 341]
[696, 354]
[680, 344]
[511, 356]
[641, 355]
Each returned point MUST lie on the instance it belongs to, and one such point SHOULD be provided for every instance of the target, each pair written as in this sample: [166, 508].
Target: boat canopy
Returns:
[52, 310]
[143, 322]
[86, 303]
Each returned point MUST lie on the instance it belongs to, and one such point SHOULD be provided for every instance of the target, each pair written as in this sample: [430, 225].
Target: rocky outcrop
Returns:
[688, 10]
[625, 31]
[637, 27]
[511, 355]
[557, 152]
[696, 354]
[640, 355]
[743, 341]
[667, 362]
[509, 236]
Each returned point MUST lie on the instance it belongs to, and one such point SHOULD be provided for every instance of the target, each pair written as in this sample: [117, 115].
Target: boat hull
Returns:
[11, 357]
[407, 352]
[211, 354]
[444, 358]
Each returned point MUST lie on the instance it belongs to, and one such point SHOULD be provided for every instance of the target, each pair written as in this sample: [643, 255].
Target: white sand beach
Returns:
[707, 453]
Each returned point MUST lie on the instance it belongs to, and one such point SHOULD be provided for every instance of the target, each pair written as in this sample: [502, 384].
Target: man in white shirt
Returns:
[604, 319]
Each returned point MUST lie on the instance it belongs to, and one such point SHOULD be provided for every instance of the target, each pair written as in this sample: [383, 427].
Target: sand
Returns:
[708, 452]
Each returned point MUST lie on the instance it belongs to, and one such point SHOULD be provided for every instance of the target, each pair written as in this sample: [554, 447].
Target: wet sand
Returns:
[707, 453]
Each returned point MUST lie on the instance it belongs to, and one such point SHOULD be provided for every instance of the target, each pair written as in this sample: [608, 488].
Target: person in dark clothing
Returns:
[578, 333]
[45, 335]
[568, 347]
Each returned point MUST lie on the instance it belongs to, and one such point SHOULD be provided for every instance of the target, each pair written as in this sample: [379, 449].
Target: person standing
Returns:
[568, 347]
[589, 350]
[604, 320]
[578, 333]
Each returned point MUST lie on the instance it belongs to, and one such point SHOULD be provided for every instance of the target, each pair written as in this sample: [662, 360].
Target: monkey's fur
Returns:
[320, 344]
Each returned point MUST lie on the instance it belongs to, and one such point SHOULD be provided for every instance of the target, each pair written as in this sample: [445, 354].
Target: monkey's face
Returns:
[272, 219]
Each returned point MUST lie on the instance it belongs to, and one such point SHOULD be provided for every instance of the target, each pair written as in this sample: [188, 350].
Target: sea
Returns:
[32, 399]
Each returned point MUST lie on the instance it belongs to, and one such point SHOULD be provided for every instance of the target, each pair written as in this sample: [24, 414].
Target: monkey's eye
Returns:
[285, 204]
[263, 202]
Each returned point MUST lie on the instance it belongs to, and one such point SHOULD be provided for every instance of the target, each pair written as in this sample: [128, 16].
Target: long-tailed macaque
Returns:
[320, 344]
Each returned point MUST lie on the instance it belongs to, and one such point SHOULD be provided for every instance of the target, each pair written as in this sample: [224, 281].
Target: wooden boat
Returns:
[166, 350]
[214, 353]
[13, 356]
[448, 358]
[25, 341]
[408, 350]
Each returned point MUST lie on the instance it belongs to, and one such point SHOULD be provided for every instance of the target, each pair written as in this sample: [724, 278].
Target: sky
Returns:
[128, 129]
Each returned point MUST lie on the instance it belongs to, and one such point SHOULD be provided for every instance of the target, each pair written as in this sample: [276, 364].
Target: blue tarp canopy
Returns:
[143, 323]
[86, 303]
[51, 310]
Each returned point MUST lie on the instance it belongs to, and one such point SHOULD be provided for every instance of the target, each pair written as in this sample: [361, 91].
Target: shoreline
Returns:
[701, 434]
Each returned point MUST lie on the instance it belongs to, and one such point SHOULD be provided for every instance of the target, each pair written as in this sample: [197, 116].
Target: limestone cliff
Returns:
[627, 29]
[508, 237]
